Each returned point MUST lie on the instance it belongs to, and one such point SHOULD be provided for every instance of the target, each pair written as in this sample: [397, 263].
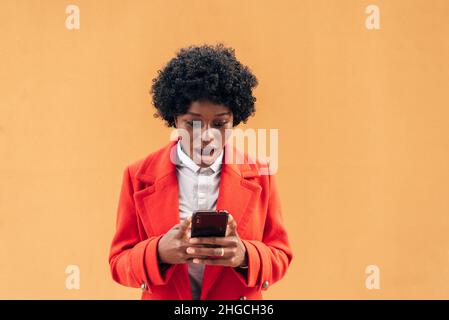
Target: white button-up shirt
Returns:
[198, 190]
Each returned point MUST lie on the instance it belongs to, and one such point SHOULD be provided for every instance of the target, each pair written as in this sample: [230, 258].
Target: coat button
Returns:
[265, 284]
[243, 298]
[143, 286]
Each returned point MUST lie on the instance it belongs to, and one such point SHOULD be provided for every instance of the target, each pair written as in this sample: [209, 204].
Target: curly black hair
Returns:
[204, 73]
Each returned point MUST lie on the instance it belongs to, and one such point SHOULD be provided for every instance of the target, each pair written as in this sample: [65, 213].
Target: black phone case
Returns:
[209, 223]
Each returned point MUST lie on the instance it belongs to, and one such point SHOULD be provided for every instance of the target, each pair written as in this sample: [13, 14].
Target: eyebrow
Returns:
[218, 114]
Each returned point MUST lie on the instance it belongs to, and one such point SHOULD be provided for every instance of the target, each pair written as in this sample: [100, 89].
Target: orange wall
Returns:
[362, 118]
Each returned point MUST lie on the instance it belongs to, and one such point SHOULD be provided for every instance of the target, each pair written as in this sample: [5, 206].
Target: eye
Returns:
[220, 124]
[192, 122]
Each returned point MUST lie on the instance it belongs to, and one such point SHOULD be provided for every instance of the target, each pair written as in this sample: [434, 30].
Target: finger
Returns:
[232, 226]
[214, 252]
[186, 223]
[222, 262]
[183, 227]
[220, 241]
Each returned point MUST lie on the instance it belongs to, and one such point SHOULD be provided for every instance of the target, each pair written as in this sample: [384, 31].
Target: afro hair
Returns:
[204, 73]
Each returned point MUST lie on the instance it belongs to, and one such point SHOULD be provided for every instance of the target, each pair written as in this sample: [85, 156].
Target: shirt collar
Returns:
[189, 163]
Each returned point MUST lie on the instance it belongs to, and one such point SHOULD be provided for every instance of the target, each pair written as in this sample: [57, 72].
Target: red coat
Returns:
[148, 207]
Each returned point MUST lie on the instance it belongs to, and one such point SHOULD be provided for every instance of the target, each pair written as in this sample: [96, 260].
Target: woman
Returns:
[203, 92]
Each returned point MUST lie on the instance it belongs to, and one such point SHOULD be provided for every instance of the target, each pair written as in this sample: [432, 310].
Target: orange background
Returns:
[362, 118]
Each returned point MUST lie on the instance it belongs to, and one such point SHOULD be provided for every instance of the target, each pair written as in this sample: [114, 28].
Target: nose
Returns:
[208, 135]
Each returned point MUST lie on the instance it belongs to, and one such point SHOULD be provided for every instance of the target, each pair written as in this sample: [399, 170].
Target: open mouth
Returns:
[206, 152]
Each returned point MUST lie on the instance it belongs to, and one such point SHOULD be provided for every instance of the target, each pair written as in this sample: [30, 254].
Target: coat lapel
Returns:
[157, 202]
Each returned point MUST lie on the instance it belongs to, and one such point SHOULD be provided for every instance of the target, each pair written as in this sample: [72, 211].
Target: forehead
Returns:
[207, 109]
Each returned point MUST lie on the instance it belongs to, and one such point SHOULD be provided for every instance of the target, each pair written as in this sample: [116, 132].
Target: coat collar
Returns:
[157, 203]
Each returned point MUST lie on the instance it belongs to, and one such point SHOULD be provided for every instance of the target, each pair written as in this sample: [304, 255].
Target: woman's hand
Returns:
[233, 248]
[172, 246]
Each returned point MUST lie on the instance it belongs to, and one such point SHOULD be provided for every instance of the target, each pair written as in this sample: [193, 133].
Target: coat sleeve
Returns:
[133, 261]
[269, 259]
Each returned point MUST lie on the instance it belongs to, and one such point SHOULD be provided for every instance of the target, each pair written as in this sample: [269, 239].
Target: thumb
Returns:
[232, 225]
[183, 227]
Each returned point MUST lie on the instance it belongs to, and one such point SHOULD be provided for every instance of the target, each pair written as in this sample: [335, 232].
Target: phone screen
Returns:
[209, 223]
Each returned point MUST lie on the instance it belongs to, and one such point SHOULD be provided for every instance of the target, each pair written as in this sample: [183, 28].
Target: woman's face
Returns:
[208, 126]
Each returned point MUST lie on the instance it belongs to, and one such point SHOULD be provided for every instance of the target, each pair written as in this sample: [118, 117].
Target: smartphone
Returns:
[207, 223]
